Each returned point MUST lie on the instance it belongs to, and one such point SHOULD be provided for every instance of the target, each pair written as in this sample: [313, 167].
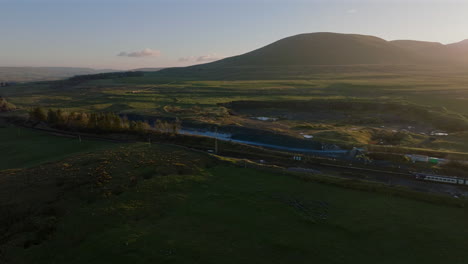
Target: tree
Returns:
[106, 122]
[52, 118]
[116, 122]
[176, 126]
[92, 122]
[38, 114]
[62, 118]
[82, 120]
[141, 126]
[125, 123]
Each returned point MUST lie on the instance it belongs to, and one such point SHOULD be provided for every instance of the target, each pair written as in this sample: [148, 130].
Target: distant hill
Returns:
[148, 69]
[28, 74]
[437, 53]
[329, 50]
[459, 51]
[324, 49]
[432, 52]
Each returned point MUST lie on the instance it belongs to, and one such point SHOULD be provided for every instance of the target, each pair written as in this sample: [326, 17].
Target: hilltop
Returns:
[308, 52]
[324, 49]
[347, 49]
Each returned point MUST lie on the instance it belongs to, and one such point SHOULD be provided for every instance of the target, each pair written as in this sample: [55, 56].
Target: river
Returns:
[228, 137]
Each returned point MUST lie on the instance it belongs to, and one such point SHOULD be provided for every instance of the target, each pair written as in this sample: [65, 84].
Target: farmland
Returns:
[23, 148]
[437, 94]
[166, 204]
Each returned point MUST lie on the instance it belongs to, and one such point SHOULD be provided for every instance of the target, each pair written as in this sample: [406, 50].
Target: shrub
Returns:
[6, 106]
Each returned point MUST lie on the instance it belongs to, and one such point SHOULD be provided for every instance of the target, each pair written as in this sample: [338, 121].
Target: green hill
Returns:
[306, 53]
[31, 74]
[323, 49]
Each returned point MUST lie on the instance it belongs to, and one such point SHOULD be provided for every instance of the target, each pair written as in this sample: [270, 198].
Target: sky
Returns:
[130, 34]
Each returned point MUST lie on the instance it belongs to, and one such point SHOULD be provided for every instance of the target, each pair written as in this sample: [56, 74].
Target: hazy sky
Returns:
[126, 34]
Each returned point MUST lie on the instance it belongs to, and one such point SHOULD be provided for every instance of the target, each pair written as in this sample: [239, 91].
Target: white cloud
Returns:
[351, 11]
[187, 59]
[211, 57]
[203, 58]
[141, 53]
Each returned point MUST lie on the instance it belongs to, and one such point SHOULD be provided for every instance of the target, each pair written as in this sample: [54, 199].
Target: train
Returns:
[440, 178]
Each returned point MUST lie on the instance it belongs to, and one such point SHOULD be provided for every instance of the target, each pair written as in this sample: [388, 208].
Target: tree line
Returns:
[98, 122]
[75, 80]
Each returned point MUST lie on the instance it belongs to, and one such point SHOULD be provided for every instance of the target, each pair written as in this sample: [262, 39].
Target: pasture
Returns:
[219, 213]
[432, 87]
[438, 92]
[23, 148]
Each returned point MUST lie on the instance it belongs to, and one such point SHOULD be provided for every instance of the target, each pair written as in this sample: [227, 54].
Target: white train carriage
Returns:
[442, 179]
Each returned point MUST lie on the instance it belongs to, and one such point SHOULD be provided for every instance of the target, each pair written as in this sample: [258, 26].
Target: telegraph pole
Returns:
[216, 140]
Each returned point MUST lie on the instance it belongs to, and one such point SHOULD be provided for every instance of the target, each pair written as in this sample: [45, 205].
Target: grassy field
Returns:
[424, 86]
[141, 203]
[225, 214]
[431, 99]
[440, 92]
[22, 148]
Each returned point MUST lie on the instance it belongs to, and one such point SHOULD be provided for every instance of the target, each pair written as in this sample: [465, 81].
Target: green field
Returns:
[225, 214]
[22, 148]
[419, 85]
[98, 202]
[63, 201]
[437, 91]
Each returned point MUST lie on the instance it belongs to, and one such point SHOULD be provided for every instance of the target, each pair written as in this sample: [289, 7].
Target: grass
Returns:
[97, 202]
[225, 214]
[22, 148]
[140, 203]
[431, 87]
[440, 91]
[241, 215]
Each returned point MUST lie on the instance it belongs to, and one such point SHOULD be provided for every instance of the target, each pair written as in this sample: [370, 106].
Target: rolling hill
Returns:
[147, 69]
[31, 74]
[320, 50]
[324, 49]
[348, 49]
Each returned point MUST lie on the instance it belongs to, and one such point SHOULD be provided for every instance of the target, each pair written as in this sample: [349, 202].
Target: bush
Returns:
[6, 106]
